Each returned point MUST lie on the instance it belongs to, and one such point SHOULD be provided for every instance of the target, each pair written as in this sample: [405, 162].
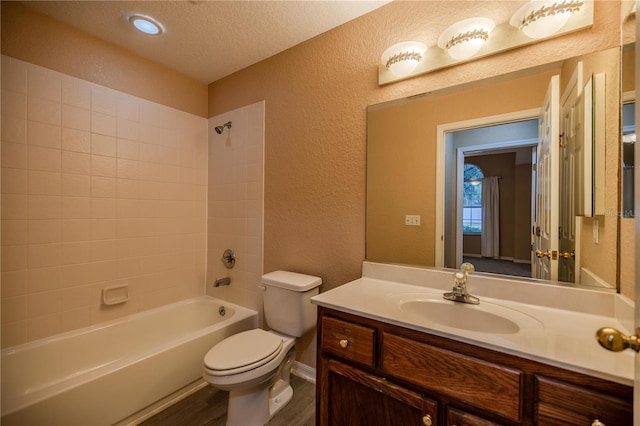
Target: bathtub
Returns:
[105, 374]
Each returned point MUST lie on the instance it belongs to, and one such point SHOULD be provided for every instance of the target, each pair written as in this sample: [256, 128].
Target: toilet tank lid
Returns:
[291, 280]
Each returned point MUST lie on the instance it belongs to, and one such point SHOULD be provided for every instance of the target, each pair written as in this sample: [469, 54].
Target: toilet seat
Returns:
[242, 352]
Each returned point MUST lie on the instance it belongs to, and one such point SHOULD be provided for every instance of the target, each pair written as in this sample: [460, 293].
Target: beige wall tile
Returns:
[104, 101]
[76, 140]
[14, 283]
[76, 185]
[44, 207]
[103, 166]
[46, 159]
[76, 163]
[44, 111]
[80, 213]
[76, 252]
[14, 181]
[44, 84]
[128, 129]
[14, 129]
[76, 207]
[43, 326]
[103, 229]
[14, 232]
[43, 134]
[128, 149]
[103, 145]
[76, 118]
[103, 124]
[45, 183]
[44, 255]
[45, 231]
[14, 309]
[44, 279]
[103, 187]
[76, 93]
[76, 230]
[14, 104]
[103, 208]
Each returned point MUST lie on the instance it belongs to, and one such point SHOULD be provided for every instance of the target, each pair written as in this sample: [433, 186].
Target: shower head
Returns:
[220, 129]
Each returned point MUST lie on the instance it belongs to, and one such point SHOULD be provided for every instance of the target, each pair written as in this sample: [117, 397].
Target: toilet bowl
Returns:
[254, 366]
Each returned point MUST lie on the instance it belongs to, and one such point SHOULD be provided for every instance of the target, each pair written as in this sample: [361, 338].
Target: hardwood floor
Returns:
[208, 407]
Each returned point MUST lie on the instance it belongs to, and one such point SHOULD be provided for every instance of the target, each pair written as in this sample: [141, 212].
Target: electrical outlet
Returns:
[412, 220]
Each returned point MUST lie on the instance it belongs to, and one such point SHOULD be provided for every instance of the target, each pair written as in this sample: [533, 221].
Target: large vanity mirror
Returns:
[438, 162]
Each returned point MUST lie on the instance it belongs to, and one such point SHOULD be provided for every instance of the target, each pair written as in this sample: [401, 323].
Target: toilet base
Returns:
[254, 407]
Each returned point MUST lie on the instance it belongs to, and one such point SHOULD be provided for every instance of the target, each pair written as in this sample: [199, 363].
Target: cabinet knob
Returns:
[426, 420]
[597, 422]
[344, 343]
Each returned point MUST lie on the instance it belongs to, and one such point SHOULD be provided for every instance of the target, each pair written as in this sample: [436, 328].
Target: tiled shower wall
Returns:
[235, 215]
[99, 188]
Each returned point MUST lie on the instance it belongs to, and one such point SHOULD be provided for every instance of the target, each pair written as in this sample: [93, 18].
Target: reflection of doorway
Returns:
[451, 157]
[510, 161]
[505, 247]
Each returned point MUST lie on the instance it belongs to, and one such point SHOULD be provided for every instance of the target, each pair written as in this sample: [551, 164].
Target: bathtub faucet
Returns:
[222, 281]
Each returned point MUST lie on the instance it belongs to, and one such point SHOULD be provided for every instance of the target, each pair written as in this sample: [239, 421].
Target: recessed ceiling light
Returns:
[146, 24]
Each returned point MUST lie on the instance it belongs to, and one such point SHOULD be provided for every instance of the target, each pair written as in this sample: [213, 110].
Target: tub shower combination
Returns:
[108, 373]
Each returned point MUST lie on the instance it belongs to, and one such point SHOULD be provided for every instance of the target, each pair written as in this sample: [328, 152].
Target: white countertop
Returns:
[559, 337]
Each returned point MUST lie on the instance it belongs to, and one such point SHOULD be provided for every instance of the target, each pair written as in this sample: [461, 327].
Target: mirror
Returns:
[417, 148]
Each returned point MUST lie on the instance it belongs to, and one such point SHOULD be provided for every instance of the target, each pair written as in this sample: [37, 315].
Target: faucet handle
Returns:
[467, 268]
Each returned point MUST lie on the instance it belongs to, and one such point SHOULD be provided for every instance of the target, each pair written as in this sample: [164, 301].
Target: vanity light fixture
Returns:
[402, 58]
[463, 39]
[146, 24]
[540, 19]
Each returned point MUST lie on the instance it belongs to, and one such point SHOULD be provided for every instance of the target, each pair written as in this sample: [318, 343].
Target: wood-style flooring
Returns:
[208, 407]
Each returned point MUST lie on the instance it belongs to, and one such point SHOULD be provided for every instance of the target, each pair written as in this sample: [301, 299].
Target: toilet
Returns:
[254, 366]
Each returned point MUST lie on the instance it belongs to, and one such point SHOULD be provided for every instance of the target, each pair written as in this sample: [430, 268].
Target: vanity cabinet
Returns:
[374, 373]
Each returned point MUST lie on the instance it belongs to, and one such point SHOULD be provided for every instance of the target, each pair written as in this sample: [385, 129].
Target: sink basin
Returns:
[483, 318]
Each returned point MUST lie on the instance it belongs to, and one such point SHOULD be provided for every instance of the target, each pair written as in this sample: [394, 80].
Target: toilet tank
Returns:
[287, 301]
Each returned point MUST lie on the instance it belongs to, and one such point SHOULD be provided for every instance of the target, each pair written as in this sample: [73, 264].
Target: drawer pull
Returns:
[597, 422]
[344, 343]
[426, 420]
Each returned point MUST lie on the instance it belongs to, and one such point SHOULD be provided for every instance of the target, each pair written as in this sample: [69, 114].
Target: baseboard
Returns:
[304, 371]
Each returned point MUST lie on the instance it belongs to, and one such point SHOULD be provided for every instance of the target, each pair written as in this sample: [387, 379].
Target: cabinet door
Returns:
[359, 398]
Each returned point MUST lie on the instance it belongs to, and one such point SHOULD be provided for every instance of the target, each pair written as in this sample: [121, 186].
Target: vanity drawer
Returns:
[349, 341]
[488, 386]
[560, 403]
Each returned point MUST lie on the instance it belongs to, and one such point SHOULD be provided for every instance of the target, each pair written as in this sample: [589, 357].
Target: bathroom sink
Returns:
[486, 317]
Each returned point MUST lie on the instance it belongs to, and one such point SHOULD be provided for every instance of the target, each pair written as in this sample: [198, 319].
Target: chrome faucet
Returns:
[459, 293]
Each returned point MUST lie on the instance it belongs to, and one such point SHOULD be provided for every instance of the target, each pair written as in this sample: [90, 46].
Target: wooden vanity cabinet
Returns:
[374, 373]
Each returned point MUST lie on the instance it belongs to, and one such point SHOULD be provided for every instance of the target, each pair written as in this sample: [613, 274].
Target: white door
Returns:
[571, 153]
[545, 245]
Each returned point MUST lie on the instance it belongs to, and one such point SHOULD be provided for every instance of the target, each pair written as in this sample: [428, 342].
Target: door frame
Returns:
[442, 130]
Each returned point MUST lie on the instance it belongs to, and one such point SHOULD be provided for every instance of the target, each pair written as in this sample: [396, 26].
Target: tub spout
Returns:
[222, 281]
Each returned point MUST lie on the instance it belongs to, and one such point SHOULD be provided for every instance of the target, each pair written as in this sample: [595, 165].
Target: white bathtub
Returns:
[103, 374]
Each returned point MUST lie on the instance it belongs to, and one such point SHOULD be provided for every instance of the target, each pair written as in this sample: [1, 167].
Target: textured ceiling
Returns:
[208, 40]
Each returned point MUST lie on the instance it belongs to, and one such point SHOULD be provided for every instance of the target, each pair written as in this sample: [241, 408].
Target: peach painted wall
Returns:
[315, 128]
[99, 188]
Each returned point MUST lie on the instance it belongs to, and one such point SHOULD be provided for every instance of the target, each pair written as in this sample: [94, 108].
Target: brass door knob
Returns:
[567, 254]
[542, 253]
[426, 420]
[613, 340]
[344, 343]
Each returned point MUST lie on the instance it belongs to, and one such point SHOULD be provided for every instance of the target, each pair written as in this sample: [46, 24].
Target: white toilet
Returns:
[254, 365]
